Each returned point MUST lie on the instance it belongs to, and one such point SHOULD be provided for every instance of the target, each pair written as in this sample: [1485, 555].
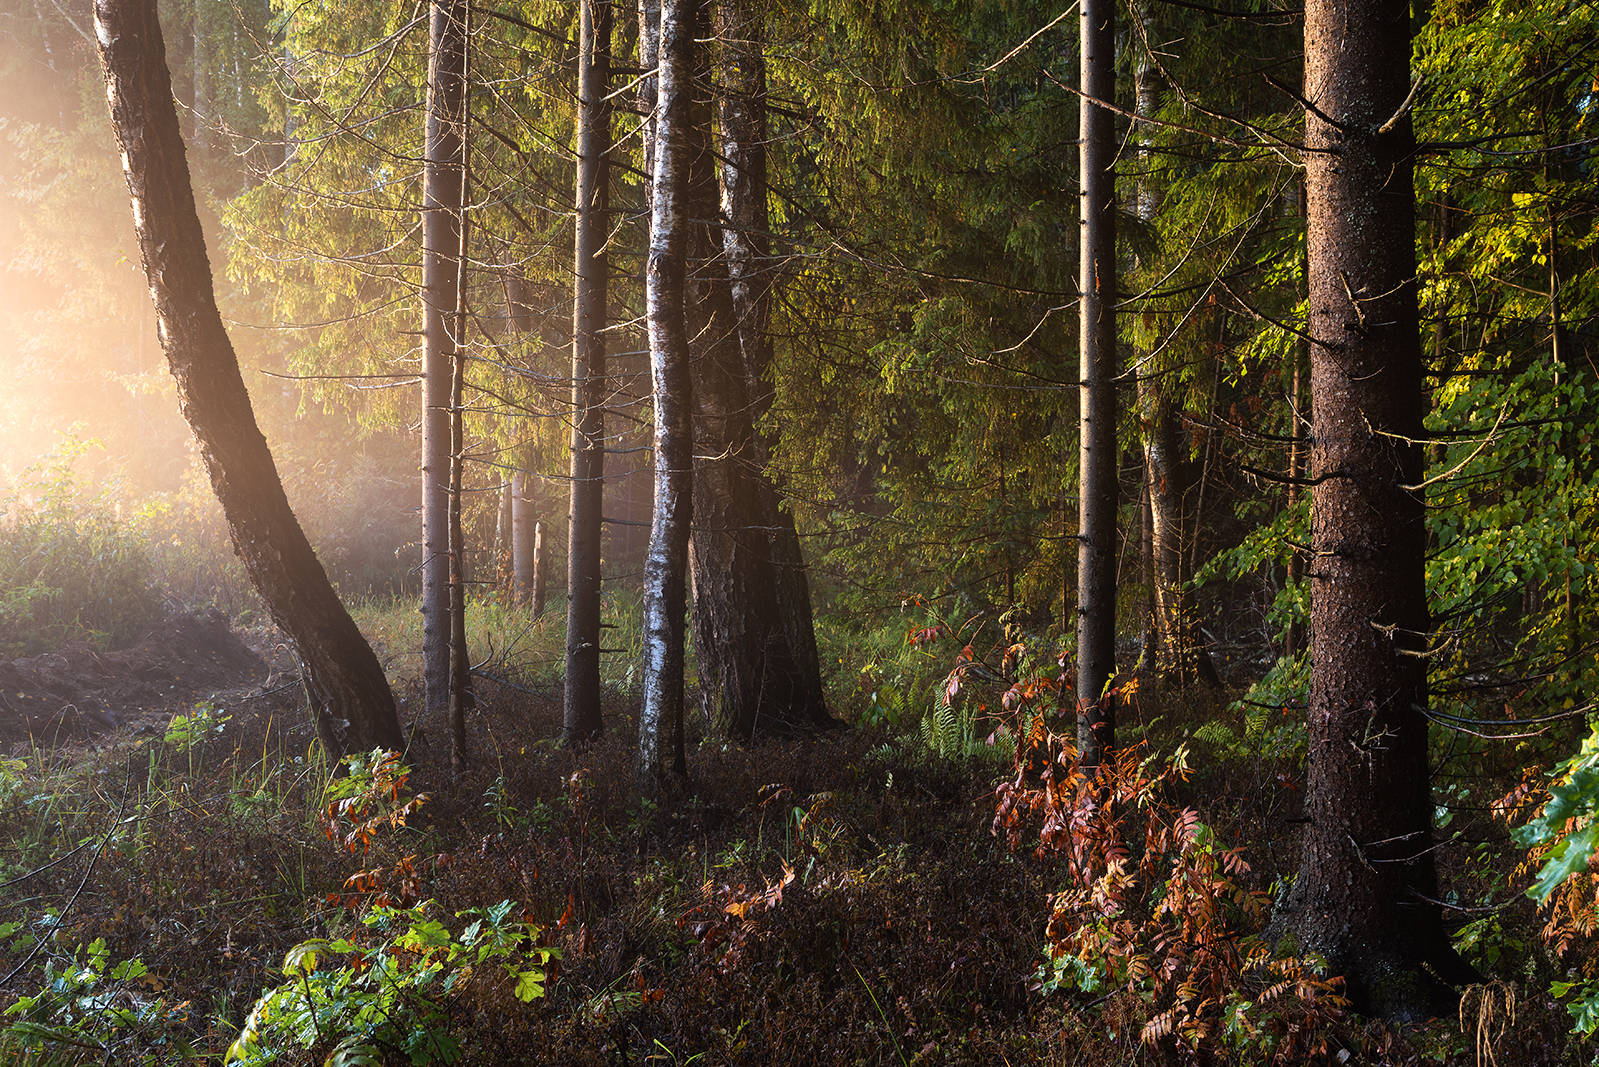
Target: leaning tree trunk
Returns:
[662, 760]
[351, 698]
[591, 271]
[1096, 554]
[742, 31]
[1366, 874]
[443, 198]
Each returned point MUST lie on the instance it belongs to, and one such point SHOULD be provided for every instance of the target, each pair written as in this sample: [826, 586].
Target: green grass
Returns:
[505, 640]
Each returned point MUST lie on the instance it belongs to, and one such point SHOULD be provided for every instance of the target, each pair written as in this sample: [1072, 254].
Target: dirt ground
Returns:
[80, 693]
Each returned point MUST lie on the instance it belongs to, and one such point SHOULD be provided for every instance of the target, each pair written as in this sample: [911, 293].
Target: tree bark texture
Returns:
[461, 697]
[749, 680]
[1150, 383]
[591, 270]
[354, 707]
[649, 55]
[524, 546]
[443, 193]
[1096, 554]
[541, 568]
[1367, 859]
[662, 760]
[750, 270]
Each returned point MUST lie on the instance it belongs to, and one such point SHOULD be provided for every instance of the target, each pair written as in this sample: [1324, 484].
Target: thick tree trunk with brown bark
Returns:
[1366, 871]
[749, 680]
[662, 760]
[353, 704]
[742, 31]
[591, 270]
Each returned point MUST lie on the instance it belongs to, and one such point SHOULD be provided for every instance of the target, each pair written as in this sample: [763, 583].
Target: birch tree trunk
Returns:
[350, 695]
[1096, 554]
[443, 191]
[590, 271]
[662, 761]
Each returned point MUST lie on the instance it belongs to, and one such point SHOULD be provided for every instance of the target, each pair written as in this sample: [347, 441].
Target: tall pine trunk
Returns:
[662, 760]
[350, 695]
[1366, 870]
[742, 30]
[443, 193]
[1096, 554]
[461, 697]
[591, 270]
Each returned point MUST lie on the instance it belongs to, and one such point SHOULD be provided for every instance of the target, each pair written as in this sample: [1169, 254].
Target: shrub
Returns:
[69, 569]
[87, 1004]
[395, 993]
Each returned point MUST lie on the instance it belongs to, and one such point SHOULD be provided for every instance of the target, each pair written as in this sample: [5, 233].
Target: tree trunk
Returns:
[1294, 639]
[1150, 383]
[750, 274]
[461, 697]
[1096, 568]
[503, 550]
[443, 192]
[649, 55]
[351, 698]
[201, 109]
[662, 761]
[541, 568]
[1169, 473]
[1367, 862]
[524, 544]
[591, 271]
[748, 678]
[1174, 522]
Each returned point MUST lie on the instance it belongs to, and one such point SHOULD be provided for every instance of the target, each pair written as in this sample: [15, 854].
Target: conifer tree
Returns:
[1099, 369]
[590, 273]
[1364, 896]
[443, 211]
[750, 268]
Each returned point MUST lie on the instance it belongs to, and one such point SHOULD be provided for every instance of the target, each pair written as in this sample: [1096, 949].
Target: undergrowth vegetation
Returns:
[953, 889]
[69, 569]
[940, 884]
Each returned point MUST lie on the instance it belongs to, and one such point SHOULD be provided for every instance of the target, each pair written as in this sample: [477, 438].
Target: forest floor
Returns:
[838, 899]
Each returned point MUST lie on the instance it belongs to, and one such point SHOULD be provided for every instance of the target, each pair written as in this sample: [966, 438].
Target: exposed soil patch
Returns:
[78, 691]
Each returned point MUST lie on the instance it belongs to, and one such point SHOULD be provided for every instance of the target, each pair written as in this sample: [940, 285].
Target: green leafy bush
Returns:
[69, 570]
[87, 1004]
[1562, 835]
[394, 994]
